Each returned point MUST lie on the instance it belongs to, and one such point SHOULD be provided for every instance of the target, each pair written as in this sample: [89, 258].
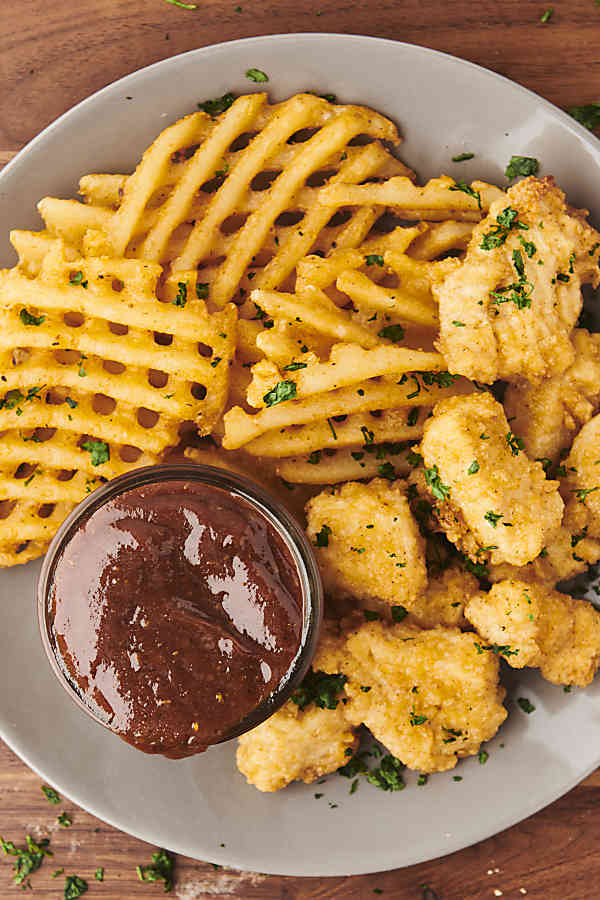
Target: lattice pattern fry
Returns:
[236, 195]
[98, 374]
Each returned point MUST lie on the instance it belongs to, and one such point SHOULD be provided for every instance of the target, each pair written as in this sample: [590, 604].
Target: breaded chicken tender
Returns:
[428, 696]
[444, 600]
[568, 552]
[509, 310]
[583, 475]
[295, 744]
[548, 415]
[492, 501]
[368, 543]
[536, 626]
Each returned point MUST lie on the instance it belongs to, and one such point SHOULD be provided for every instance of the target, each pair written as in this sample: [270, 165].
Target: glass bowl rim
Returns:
[260, 500]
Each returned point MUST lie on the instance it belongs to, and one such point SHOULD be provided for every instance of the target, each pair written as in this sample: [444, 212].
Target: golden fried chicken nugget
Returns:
[509, 310]
[569, 550]
[296, 744]
[444, 600]
[492, 501]
[429, 696]
[548, 415]
[582, 482]
[368, 543]
[535, 626]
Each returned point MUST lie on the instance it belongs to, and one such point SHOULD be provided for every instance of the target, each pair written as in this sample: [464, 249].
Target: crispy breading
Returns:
[509, 310]
[548, 415]
[445, 598]
[368, 543]
[295, 744]
[540, 627]
[433, 698]
[492, 501]
[568, 552]
[582, 483]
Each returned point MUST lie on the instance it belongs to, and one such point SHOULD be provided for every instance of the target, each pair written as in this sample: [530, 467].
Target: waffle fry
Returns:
[216, 193]
[345, 465]
[441, 198]
[89, 396]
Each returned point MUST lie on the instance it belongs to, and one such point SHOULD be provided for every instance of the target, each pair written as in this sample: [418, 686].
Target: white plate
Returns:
[202, 807]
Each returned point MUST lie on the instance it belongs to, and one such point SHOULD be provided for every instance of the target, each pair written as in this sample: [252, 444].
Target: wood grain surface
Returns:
[54, 53]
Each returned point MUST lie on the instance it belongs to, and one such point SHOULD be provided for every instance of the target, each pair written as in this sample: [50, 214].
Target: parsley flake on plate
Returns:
[587, 115]
[526, 705]
[462, 157]
[521, 165]
[256, 75]
[439, 490]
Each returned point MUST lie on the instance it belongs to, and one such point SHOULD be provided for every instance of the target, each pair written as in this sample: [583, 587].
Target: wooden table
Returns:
[54, 53]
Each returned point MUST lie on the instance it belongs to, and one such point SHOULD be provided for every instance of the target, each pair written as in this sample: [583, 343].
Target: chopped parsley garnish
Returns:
[322, 536]
[65, 820]
[518, 263]
[387, 776]
[283, 390]
[293, 367]
[421, 780]
[399, 613]
[218, 105]
[461, 186]
[582, 493]
[493, 518]
[518, 293]
[315, 457]
[439, 490]
[442, 379]
[525, 705]
[508, 219]
[393, 333]
[498, 649]
[256, 75]
[70, 402]
[479, 569]
[201, 290]
[413, 416]
[515, 443]
[51, 795]
[99, 451]
[414, 719]
[374, 259]
[387, 470]
[529, 247]
[562, 277]
[160, 870]
[57, 873]
[462, 157]
[587, 115]
[183, 6]
[74, 885]
[320, 689]
[99, 874]
[473, 468]
[368, 436]
[370, 615]
[483, 757]
[458, 324]
[28, 319]
[546, 18]
[181, 297]
[27, 861]
[457, 778]
[77, 279]
[522, 165]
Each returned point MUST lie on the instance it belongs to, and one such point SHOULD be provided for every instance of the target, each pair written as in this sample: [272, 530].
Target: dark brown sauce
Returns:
[175, 610]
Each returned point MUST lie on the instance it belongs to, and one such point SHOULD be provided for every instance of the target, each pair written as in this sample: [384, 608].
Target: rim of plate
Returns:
[471, 833]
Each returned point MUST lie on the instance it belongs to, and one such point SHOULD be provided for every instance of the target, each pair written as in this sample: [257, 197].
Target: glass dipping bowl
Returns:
[266, 506]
